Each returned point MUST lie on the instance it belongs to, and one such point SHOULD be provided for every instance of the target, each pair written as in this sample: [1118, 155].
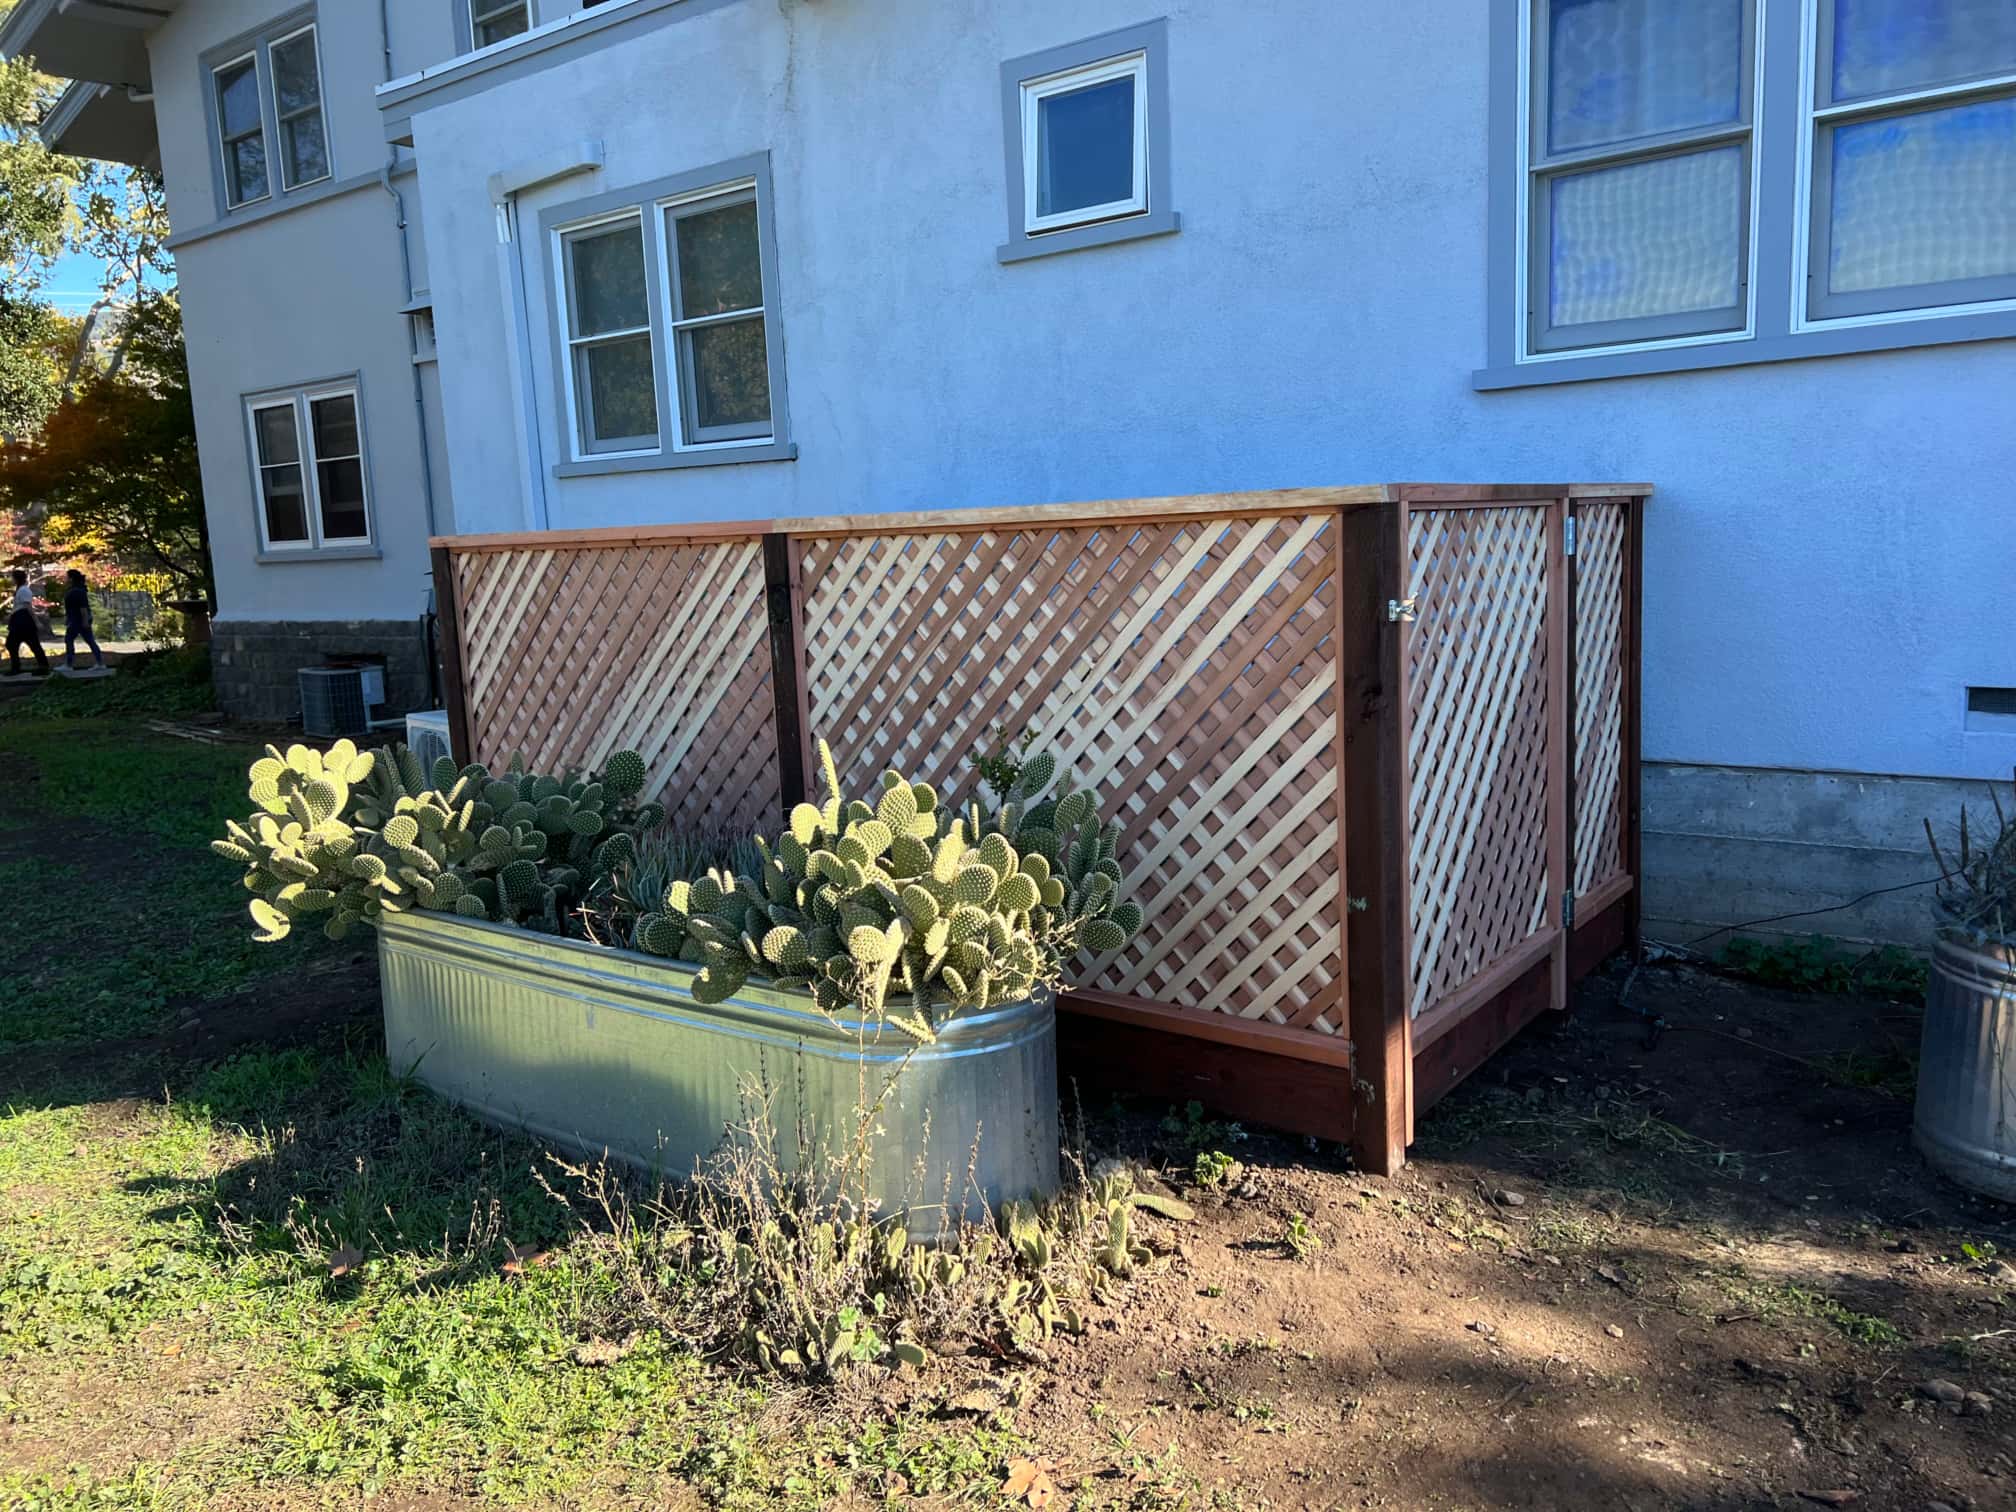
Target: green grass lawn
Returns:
[171, 1332]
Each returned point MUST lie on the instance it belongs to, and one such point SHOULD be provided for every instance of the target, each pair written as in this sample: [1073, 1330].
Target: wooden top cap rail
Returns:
[1282, 501]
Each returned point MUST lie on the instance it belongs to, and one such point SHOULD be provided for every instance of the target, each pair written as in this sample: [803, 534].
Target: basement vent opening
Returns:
[1992, 709]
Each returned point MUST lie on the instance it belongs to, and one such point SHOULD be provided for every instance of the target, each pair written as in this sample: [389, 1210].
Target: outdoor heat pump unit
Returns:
[427, 736]
[334, 702]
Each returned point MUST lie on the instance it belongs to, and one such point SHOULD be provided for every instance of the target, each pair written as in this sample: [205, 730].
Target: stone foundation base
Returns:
[254, 661]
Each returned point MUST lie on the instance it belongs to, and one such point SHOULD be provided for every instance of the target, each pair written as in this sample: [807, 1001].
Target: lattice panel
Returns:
[1600, 607]
[573, 653]
[1477, 740]
[1186, 669]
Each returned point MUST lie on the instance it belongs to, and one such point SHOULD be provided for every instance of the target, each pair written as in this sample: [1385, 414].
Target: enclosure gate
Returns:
[1413, 687]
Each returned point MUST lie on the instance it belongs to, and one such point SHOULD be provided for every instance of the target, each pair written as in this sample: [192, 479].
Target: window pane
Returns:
[1085, 147]
[1886, 46]
[620, 396]
[307, 150]
[731, 374]
[1924, 198]
[342, 484]
[278, 441]
[286, 518]
[335, 422]
[1661, 237]
[295, 85]
[609, 280]
[1622, 69]
[238, 98]
[719, 266]
[494, 23]
[247, 163]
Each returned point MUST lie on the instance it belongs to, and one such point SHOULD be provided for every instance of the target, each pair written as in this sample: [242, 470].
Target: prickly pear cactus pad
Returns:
[353, 835]
[892, 907]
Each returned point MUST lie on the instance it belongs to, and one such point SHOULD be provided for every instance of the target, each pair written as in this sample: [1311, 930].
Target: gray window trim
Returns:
[297, 396]
[1547, 167]
[258, 41]
[1780, 122]
[672, 448]
[1150, 38]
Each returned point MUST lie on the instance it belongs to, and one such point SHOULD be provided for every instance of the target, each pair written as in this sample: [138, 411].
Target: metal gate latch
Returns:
[1400, 609]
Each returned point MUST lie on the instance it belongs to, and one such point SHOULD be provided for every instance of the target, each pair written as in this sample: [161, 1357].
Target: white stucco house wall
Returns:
[708, 259]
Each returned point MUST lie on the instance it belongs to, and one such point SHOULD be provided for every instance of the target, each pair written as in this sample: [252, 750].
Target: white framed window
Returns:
[1639, 163]
[241, 129]
[267, 117]
[311, 483]
[667, 350]
[493, 21]
[1909, 157]
[611, 368]
[297, 108]
[1085, 145]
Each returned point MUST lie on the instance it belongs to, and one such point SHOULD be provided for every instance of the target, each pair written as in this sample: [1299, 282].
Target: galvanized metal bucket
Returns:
[1965, 1121]
[597, 1049]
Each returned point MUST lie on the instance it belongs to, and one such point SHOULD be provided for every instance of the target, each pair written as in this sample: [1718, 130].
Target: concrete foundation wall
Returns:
[254, 661]
[1726, 846]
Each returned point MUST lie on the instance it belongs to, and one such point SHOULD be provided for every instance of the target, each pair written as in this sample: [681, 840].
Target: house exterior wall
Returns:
[1827, 545]
[310, 289]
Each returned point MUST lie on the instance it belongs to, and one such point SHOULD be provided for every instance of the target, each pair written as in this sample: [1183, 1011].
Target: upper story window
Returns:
[266, 113]
[484, 23]
[1706, 182]
[309, 470]
[1088, 143]
[667, 351]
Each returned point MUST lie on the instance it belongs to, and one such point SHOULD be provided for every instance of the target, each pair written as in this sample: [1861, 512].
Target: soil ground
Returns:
[1701, 1269]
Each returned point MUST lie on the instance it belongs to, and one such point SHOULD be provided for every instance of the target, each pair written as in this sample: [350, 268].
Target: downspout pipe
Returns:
[406, 270]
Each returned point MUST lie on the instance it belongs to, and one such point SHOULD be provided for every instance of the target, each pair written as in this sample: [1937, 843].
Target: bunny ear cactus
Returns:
[882, 908]
[357, 835]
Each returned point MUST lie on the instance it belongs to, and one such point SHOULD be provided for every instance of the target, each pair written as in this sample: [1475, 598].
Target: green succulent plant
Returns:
[886, 908]
[356, 835]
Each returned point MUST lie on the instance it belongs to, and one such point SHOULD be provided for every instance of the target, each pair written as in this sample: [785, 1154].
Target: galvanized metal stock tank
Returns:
[1966, 1113]
[600, 1049]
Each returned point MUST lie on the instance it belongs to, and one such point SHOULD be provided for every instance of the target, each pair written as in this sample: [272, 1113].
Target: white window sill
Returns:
[357, 553]
[1828, 341]
[666, 461]
[1100, 234]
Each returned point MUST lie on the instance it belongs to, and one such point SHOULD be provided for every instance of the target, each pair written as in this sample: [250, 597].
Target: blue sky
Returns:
[73, 283]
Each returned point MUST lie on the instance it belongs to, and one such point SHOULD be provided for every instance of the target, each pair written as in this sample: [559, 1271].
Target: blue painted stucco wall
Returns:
[1829, 554]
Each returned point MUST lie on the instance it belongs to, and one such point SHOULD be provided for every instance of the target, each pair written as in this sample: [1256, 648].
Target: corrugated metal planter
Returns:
[1966, 1111]
[606, 1049]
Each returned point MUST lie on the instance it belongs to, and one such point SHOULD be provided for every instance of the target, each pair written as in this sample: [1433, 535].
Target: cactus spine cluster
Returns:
[886, 909]
[357, 835]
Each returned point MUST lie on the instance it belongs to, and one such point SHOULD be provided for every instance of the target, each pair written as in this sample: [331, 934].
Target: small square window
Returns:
[1085, 145]
[1088, 143]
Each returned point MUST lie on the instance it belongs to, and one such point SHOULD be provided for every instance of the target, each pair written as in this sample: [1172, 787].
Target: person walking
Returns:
[21, 627]
[77, 621]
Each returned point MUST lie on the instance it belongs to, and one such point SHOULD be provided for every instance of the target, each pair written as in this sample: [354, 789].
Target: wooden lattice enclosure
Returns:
[1346, 730]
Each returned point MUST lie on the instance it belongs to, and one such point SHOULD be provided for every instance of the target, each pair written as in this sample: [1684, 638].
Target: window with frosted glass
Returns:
[1640, 157]
[1085, 144]
[1913, 156]
[241, 129]
[609, 336]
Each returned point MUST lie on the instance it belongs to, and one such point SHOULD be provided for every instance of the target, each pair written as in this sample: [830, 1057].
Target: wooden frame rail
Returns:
[1374, 748]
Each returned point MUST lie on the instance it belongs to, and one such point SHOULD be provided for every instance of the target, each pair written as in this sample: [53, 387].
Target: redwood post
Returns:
[1370, 572]
[1634, 682]
[448, 644]
[785, 602]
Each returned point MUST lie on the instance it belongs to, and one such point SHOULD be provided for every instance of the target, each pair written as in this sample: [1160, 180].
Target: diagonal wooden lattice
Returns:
[1184, 668]
[574, 652]
[1599, 694]
[1477, 741]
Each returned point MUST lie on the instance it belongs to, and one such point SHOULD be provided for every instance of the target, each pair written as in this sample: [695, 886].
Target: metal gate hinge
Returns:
[1399, 609]
[1568, 534]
